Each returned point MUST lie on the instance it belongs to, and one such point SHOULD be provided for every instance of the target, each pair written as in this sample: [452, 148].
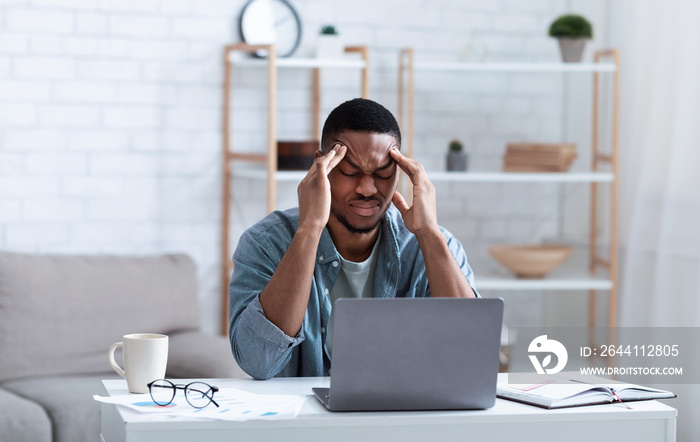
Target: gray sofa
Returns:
[60, 314]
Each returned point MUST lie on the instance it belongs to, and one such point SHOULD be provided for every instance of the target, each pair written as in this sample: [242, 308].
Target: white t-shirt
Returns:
[355, 280]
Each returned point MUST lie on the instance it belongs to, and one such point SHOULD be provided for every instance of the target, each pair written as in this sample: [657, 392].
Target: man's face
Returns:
[363, 183]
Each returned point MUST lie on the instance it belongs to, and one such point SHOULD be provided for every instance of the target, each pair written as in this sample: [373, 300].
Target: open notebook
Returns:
[557, 392]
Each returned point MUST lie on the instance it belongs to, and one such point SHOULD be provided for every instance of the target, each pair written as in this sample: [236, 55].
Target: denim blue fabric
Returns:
[262, 349]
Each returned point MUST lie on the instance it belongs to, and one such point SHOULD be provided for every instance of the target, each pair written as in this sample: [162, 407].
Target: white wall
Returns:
[110, 121]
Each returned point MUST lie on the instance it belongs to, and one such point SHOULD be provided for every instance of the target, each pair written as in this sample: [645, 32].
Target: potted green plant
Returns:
[328, 30]
[329, 44]
[456, 157]
[572, 31]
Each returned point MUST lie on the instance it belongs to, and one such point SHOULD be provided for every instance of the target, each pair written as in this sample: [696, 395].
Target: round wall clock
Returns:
[271, 21]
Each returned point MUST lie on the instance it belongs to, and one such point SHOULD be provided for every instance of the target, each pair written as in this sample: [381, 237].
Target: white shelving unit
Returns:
[235, 58]
[571, 276]
[575, 274]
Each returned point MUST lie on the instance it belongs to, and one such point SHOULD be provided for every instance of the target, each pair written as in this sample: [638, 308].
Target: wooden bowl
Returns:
[531, 261]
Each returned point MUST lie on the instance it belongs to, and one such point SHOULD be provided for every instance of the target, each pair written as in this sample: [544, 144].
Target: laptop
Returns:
[414, 354]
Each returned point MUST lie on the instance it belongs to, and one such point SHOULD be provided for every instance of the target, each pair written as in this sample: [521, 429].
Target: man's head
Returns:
[363, 183]
[359, 115]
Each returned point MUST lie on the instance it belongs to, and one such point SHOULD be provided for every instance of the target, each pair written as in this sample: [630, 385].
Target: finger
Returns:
[406, 164]
[400, 203]
[328, 157]
[342, 150]
[321, 168]
[323, 161]
[411, 167]
[312, 170]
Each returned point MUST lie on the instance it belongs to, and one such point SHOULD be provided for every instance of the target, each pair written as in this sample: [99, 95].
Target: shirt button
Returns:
[320, 258]
[335, 263]
[323, 329]
[326, 291]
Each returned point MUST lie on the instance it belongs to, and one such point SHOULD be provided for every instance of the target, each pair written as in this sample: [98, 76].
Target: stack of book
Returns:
[538, 157]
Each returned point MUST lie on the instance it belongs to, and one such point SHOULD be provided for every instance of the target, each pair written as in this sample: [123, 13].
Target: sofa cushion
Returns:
[60, 314]
[74, 414]
[194, 355]
[22, 420]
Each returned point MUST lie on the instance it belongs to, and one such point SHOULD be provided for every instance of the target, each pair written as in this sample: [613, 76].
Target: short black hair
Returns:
[360, 115]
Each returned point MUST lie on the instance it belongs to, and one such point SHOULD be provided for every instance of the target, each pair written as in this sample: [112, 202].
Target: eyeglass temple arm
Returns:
[210, 394]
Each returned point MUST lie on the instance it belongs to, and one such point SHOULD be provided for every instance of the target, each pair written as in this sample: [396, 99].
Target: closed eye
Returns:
[349, 174]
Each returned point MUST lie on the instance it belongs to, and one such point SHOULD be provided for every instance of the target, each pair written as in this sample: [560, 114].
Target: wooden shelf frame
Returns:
[268, 160]
[405, 114]
[612, 160]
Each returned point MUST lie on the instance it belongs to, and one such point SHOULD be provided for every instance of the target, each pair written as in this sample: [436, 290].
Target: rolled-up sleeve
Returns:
[261, 349]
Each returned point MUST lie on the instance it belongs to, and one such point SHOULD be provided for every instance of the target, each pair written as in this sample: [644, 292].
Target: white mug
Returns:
[145, 359]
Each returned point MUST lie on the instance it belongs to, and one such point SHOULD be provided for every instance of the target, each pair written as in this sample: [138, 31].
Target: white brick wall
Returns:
[84, 91]
[4, 66]
[108, 70]
[110, 118]
[39, 21]
[43, 67]
[135, 26]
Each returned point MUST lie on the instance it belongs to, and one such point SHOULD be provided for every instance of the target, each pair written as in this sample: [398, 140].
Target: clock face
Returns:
[271, 21]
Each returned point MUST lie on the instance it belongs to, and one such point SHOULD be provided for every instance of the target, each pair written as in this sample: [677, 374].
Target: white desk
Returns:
[506, 421]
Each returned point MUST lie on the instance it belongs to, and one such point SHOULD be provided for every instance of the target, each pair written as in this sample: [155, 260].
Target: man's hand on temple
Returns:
[421, 217]
[445, 277]
[314, 191]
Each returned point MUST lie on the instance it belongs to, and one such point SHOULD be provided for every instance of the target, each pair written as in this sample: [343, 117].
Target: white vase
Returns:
[329, 46]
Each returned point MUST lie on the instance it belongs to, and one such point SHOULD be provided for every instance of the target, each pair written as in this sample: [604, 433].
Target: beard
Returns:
[353, 228]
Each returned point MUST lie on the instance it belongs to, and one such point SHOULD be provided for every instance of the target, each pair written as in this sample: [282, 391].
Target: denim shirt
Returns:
[261, 349]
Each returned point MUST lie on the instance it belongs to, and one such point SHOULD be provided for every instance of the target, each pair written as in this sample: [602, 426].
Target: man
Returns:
[343, 240]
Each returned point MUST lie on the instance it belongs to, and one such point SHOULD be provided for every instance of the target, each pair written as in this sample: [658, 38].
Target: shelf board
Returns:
[477, 177]
[260, 174]
[572, 275]
[518, 177]
[549, 283]
[514, 67]
[302, 63]
[308, 62]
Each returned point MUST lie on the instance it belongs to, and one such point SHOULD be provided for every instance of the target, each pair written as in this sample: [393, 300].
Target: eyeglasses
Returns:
[198, 394]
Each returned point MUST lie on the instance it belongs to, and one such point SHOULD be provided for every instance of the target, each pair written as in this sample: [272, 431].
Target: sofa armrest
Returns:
[198, 355]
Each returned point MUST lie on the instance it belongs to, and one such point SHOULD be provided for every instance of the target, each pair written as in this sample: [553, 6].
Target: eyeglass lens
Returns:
[162, 392]
[199, 394]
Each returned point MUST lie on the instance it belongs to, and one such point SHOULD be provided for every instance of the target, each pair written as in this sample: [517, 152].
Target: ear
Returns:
[318, 153]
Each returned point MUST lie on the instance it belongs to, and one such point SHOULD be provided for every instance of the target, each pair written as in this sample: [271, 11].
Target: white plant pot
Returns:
[329, 46]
